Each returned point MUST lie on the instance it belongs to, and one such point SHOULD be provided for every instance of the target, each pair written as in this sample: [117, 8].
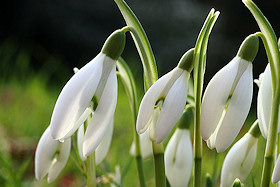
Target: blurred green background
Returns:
[41, 42]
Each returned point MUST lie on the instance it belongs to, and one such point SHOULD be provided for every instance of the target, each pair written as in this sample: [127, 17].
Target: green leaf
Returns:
[142, 43]
[23, 167]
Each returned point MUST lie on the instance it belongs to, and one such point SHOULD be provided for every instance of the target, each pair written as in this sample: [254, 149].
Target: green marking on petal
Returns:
[95, 102]
[159, 102]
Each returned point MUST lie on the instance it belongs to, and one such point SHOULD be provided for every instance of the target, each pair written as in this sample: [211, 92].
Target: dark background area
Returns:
[55, 36]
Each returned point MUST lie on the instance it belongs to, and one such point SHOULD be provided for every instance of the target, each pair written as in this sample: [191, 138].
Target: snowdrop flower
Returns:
[241, 158]
[178, 154]
[164, 102]
[117, 178]
[51, 156]
[276, 172]
[102, 149]
[94, 83]
[264, 102]
[227, 98]
[146, 146]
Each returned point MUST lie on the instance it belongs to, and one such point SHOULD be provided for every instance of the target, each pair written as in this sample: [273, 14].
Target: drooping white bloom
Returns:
[228, 97]
[169, 95]
[226, 103]
[146, 146]
[178, 158]
[264, 102]
[51, 156]
[94, 84]
[276, 172]
[102, 149]
[164, 102]
[239, 160]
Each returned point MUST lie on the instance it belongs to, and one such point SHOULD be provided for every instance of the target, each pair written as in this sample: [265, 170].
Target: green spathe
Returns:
[237, 183]
[254, 130]
[186, 119]
[114, 45]
[186, 62]
[249, 48]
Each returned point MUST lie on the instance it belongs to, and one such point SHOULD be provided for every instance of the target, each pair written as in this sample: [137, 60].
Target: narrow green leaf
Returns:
[199, 66]
[23, 167]
[142, 43]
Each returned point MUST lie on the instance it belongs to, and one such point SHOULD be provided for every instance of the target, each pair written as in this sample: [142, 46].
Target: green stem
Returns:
[159, 164]
[91, 174]
[199, 68]
[278, 145]
[150, 73]
[272, 51]
[130, 89]
[271, 142]
[142, 43]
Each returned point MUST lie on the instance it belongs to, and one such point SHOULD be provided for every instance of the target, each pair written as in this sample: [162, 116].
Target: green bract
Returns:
[249, 48]
[186, 62]
[114, 45]
[254, 130]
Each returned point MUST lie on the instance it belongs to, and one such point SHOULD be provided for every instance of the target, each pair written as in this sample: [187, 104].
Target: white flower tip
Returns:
[140, 131]
[274, 181]
[220, 149]
[159, 139]
[87, 150]
[38, 176]
[55, 133]
[50, 179]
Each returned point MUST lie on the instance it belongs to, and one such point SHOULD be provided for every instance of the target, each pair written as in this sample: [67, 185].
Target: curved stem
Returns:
[272, 51]
[130, 89]
[142, 43]
[150, 75]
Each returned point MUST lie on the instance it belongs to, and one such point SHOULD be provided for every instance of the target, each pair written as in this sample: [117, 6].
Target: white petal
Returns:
[79, 122]
[44, 154]
[146, 146]
[60, 161]
[237, 111]
[103, 115]
[152, 124]
[148, 102]
[103, 148]
[215, 97]
[239, 160]
[178, 158]
[173, 107]
[75, 97]
[80, 141]
[276, 171]
[264, 102]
